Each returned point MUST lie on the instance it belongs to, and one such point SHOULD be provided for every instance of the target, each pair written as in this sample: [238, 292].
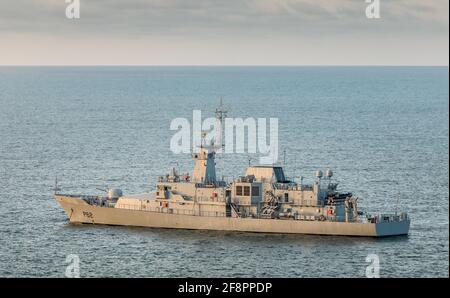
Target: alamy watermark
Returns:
[373, 269]
[211, 132]
[73, 267]
[73, 9]
[373, 9]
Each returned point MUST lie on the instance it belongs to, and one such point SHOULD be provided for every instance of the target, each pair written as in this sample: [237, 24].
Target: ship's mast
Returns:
[57, 188]
[221, 114]
[204, 168]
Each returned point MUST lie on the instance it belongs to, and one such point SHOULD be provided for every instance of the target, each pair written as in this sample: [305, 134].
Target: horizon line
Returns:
[224, 65]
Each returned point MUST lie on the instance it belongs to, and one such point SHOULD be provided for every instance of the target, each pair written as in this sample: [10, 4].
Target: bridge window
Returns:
[239, 190]
[246, 190]
[255, 191]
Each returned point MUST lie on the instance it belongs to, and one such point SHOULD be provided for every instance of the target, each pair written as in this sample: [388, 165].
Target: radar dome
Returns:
[114, 193]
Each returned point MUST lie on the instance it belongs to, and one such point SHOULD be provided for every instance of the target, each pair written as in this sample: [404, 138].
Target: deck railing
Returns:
[393, 217]
[171, 210]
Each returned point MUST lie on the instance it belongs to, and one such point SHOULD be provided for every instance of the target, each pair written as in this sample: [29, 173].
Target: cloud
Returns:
[244, 22]
[171, 17]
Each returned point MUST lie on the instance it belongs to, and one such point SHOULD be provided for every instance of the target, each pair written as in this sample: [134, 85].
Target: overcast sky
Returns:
[224, 32]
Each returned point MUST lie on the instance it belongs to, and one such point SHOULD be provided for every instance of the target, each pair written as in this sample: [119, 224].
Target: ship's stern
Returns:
[392, 225]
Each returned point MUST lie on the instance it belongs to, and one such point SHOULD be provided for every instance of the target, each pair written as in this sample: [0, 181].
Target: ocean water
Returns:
[383, 130]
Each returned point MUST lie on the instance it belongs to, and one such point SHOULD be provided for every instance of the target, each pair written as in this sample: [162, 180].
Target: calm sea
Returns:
[383, 130]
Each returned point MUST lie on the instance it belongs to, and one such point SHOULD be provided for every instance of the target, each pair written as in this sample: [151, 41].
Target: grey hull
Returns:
[78, 211]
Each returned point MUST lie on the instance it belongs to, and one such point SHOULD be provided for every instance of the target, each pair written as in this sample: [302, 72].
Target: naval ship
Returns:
[262, 200]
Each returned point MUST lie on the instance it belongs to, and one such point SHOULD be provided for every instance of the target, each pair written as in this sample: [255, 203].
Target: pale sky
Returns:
[224, 32]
